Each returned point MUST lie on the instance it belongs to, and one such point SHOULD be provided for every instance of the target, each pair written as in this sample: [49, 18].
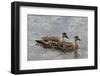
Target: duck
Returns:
[49, 42]
[71, 45]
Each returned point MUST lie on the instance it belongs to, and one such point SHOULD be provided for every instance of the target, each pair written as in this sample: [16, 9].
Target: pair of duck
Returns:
[56, 43]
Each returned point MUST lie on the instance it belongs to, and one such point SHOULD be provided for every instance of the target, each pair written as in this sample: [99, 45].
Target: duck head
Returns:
[64, 35]
[77, 38]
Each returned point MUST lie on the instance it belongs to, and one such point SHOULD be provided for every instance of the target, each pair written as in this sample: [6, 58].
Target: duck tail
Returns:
[40, 41]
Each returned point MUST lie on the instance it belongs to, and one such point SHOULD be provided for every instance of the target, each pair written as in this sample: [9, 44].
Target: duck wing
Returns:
[51, 38]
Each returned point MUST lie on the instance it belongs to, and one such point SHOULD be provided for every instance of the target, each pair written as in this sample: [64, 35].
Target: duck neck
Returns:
[76, 42]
